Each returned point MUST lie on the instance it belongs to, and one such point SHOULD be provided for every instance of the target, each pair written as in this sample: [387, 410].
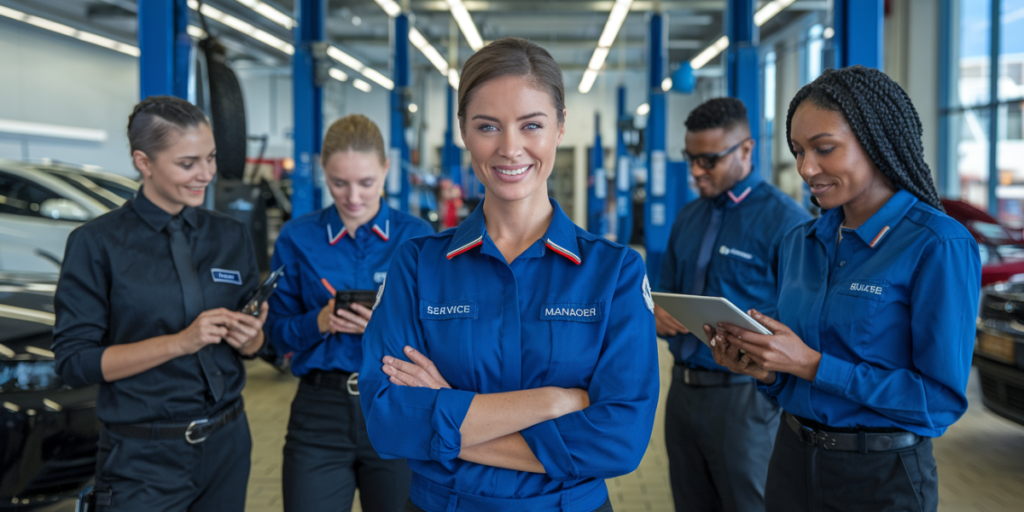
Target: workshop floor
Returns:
[981, 458]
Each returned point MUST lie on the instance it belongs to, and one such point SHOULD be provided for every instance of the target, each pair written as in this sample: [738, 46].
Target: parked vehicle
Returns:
[49, 431]
[999, 350]
[1002, 248]
[40, 204]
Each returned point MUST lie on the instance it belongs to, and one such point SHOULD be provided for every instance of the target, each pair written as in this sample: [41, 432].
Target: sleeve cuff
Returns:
[310, 328]
[92, 365]
[833, 375]
[450, 410]
[775, 388]
[547, 445]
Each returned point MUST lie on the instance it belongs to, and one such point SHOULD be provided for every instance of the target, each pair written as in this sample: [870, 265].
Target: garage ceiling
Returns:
[569, 29]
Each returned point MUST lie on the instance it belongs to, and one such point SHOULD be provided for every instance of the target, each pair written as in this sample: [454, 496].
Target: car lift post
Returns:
[307, 95]
[623, 176]
[397, 185]
[743, 73]
[657, 217]
[165, 49]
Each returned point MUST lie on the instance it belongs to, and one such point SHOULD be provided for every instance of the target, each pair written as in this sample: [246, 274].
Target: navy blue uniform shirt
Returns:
[745, 256]
[118, 285]
[316, 246]
[573, 311]
[892, 310]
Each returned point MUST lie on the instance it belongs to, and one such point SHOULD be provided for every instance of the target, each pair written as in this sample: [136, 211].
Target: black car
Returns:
[999, 350]
[49, 431]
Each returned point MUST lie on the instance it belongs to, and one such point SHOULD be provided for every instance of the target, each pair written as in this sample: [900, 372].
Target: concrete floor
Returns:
[980, 459]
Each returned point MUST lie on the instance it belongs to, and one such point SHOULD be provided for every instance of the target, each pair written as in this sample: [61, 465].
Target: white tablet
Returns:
[694, 311]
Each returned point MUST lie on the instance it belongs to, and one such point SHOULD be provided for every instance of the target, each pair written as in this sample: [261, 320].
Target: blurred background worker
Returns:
[147, 307]
[344, 247]
[718, 427]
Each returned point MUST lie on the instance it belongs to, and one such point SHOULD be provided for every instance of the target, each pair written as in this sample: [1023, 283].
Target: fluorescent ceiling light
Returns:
[428, 51]
[604, 44]
[60, 28]
[413, 108]
[710, 52]
[338, 74]
[588, 80]
[666, 84]
[770, 10]
[196, 32]
[390, 6]
[52, 130]
[760, 18]
[828, 33]
[335, 53]
[269, 13]
[243, 27]
[453, 78]
[466, 25]
[361, 85]
[643, 109]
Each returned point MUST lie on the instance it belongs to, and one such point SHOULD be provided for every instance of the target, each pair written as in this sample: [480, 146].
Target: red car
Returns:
[1002, 248]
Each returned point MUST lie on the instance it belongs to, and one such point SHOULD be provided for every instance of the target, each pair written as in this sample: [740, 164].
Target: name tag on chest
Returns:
[864, 290]
[572, 312]
[226, 276]
[447, 310]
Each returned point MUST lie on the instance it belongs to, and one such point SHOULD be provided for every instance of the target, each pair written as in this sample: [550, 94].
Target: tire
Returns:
[227, 112]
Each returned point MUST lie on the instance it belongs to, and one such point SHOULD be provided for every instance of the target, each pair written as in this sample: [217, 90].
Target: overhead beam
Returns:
[598, 6]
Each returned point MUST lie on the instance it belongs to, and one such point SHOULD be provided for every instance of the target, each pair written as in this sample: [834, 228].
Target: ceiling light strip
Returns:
[428, 51]
[243, 27]
[269, 13]
[604, 44]
[337, 54]
[760, 18]
[466, 25]
[390, 6]
[60, 28]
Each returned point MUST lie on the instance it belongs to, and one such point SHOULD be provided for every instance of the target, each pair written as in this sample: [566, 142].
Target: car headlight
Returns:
[28, 375]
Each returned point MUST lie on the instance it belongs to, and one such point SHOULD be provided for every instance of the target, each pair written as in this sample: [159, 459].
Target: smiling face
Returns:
[177, 176]
[511, 130]
[832, 161]
[729, 169]
[355, 180]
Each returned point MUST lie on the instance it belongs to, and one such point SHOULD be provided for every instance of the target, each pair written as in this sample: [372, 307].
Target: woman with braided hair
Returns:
[147, 307]
[872, 342]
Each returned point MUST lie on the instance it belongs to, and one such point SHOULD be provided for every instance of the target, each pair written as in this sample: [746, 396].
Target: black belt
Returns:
[194, 432]
[699, 377]
[860, 441]
[336, 380]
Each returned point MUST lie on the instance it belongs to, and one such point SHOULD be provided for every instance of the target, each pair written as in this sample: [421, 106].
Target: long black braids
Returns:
[883, 119]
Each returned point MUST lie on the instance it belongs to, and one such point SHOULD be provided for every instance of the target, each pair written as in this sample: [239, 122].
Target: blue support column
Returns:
[995, 38]
[166, 49]
[623, 177]
[948, 179]
[657, 215]
[597, 185]
[398, 176]
[858, 32]
[307, 94]
[451, 155]
[743, 72]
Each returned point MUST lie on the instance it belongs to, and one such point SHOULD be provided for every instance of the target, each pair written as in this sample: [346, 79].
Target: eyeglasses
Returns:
[708, 161]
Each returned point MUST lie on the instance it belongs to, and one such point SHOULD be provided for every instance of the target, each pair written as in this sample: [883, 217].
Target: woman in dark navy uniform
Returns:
[876, 311]
[146, 307]
[542, 334]
[346, 246]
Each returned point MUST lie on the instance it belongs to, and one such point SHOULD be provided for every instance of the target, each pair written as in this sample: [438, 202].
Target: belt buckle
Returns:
[188, 431]
[686, 376]
[823, 440]
[352, 384]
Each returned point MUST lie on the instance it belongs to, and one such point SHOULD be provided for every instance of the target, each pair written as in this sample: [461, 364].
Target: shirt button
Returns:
[842, 263]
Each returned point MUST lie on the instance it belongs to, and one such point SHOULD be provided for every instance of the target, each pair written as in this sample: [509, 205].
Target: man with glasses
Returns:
[719, 429]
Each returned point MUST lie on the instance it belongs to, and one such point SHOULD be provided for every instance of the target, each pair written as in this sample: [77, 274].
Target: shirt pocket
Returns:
[577, 333]
[853, 308]
[448, 338]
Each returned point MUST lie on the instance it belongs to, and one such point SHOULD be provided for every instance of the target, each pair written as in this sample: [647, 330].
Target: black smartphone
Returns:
[260, 295]
[344, 299]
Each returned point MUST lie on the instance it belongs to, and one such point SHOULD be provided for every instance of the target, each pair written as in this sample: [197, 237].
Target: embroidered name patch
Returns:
[864, 289]
[226, 276]
[726, 251]
[572, 312]
[447, 310]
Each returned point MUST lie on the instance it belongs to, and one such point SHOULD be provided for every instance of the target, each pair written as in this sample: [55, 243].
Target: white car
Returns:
[40, 204]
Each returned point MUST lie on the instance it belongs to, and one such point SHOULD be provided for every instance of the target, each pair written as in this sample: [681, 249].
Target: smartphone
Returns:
[261, 294]
[343, 299]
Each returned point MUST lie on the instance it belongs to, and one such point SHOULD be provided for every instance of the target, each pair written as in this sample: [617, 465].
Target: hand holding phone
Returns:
[343, 299]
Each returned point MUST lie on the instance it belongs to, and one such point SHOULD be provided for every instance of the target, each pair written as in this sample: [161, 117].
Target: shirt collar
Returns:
[155, 217]
[741, 190]
[560, 237]
[875, 229]
[379, 224]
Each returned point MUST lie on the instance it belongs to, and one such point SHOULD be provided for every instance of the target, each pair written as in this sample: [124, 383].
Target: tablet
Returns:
[694, 311]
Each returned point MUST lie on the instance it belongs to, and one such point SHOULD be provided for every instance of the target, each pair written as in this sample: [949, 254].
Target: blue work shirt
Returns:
[744, 260]
[892, 310]
[572, 311]
[317, 246]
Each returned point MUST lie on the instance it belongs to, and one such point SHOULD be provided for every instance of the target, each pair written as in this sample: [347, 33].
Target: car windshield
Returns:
[990, 231]
[997, 254]
[89, 186]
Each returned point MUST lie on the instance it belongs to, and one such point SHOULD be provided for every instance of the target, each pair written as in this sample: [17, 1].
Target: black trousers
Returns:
[171, 475]
[802, 477]
[411, 507]
[327, 455]
[719, 440]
